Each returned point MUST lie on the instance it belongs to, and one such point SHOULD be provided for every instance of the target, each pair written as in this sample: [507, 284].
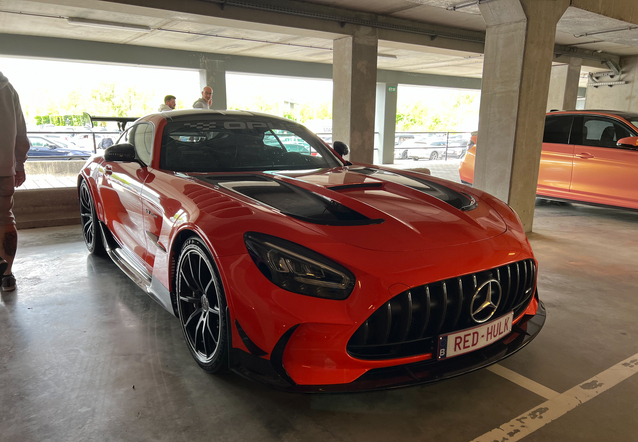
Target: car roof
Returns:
[622, 114]
[169, 115]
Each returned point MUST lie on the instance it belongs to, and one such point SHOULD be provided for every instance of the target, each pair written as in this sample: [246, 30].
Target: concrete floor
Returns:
[86, 356]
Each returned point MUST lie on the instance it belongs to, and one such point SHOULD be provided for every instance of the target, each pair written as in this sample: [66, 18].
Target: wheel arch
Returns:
[174, 252]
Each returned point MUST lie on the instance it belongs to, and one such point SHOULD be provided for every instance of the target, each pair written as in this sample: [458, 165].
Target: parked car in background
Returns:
[588, 157]
[400, 138]
[45, 147]
[421, 148]
[296, 268]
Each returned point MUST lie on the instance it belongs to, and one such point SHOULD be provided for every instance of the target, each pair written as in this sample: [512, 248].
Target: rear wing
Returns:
[121, 121]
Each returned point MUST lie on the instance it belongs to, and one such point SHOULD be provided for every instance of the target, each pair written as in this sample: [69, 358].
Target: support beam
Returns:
[563, 85]
[518, 55]
[386, 121]
[213, 74]
[353, 101]
[99, 52]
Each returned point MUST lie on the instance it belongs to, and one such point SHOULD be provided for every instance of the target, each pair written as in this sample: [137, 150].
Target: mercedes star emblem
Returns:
[485, 301]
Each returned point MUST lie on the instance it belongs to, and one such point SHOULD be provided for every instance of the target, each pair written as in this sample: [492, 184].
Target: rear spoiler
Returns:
[121, 121]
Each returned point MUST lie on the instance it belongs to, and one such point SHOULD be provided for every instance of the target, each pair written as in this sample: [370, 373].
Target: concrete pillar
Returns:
[386, 120]
[518, 56]
[213, 74]
[622, 97]
[354, 74]
[563, 85]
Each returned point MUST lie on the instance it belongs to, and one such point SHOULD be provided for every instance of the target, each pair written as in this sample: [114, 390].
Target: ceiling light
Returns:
[387, 55]
[107, 24]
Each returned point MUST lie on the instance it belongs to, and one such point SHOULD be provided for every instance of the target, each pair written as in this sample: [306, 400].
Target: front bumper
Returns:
[272, 372]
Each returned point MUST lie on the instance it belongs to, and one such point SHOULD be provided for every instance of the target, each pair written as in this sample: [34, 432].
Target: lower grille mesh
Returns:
[409, 323]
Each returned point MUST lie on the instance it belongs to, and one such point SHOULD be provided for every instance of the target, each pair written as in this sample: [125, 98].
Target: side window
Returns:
[143, 142]
[557, 129]
[601, 132]
[37, 142]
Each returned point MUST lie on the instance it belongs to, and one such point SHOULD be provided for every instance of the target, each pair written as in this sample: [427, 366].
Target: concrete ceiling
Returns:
[244, 33]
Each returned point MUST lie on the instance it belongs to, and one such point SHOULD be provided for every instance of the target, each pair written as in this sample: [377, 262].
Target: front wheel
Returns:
[88, 219]
[201, 306]
[434, 156]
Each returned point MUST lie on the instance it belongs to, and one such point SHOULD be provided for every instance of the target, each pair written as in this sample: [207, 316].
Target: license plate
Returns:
[470, 339]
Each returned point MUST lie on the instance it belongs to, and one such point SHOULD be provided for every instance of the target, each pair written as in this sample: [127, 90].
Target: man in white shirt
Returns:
[14, 146]
[169, 104]
[207, 99]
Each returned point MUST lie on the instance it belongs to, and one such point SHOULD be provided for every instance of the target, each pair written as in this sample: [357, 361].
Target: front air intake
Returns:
[409, 323]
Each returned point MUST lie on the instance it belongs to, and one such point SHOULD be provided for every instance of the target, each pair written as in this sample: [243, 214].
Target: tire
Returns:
[88, 219]
[404, 155]
[434, 156]
[201, 307]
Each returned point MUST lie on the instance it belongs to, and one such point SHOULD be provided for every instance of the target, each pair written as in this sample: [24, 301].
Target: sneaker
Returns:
[8, 283]
[3, 266]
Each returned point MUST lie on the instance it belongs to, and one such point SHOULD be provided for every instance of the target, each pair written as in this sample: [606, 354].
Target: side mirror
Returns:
[631, 142]
[341, 148]
[120, 152]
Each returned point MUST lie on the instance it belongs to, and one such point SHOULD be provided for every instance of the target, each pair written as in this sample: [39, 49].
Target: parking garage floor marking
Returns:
[532, 420]
[522, 381]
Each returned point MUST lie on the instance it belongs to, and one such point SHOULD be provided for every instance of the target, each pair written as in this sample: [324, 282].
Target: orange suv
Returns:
[588, 157]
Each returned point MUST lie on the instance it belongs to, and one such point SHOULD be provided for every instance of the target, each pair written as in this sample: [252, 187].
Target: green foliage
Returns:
[107, 99]
[301, 112]
[450, 115]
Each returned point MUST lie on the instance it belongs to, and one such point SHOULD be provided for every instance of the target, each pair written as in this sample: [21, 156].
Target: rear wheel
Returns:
[201, 306]
[434, 156]
[88, 219]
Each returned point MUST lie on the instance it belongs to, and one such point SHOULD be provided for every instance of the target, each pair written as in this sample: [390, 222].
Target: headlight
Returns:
[298, 269]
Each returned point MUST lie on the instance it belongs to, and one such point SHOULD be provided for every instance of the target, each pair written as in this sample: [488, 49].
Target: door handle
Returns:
[108, 170]
[584, 155]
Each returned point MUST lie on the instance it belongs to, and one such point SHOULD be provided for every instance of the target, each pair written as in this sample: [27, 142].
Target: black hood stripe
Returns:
[292, 200]
[459, 200]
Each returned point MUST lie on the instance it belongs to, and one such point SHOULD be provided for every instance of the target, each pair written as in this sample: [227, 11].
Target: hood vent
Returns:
[459, 200]
[292, 200]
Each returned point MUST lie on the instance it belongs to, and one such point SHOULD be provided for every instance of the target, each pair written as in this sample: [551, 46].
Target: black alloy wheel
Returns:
[434, 156]
[201, 307]
[88, 219]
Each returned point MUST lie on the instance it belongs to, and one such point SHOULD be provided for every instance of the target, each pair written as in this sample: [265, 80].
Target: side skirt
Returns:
[131, 268]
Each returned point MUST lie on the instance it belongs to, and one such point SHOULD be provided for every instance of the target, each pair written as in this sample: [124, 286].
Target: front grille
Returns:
[409, 323]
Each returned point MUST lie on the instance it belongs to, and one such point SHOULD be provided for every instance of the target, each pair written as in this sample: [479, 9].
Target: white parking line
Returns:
[532, 420]
[522, 381]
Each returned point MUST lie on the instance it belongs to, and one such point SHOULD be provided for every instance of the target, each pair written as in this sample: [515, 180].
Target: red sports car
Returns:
[292, 266]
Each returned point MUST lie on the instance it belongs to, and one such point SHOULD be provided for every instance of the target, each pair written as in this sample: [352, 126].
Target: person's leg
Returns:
[8, 232]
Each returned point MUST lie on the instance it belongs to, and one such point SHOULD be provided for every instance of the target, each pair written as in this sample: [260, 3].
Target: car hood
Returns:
[369, 207]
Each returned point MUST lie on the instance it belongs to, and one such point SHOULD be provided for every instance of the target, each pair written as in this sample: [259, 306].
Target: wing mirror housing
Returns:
[631, 142]
[341, 148]
[124, 152]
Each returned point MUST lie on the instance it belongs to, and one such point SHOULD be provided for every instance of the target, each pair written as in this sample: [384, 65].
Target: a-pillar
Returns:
[519, 47]
[563, 85]
[213, 74]
[354, 75]
[386, 120]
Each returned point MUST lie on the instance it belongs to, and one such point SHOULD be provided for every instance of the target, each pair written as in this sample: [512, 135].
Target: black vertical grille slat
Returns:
[410, 323]
[386, 326]
[455, 304]
[405, 316]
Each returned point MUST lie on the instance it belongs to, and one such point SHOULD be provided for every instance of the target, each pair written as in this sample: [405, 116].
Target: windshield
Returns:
[218, 143]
